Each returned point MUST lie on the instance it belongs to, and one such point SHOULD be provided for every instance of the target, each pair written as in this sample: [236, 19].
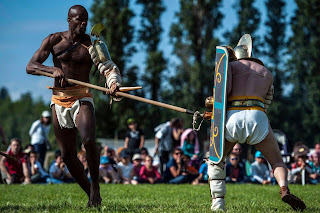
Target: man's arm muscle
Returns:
[41, 55]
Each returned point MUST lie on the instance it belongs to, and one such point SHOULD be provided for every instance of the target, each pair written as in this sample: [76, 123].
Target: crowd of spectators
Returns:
[180, 161]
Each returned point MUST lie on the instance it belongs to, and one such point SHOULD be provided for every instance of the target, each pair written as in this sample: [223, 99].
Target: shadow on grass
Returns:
[33, 208]
[67, 207]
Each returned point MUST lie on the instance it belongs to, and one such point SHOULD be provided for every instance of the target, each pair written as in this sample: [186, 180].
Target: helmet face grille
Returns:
[241, 51]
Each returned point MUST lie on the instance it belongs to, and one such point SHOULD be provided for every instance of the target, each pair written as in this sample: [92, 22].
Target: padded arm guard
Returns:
[269, 97]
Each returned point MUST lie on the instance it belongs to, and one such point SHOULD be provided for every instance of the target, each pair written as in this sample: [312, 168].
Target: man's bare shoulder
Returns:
[55, 38]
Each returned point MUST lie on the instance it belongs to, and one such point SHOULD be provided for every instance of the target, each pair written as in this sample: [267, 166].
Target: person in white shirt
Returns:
[125, 168]
[39, 135]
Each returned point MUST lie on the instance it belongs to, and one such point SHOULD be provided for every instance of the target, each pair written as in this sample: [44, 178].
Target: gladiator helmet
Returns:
[243, 50]
[244, 47]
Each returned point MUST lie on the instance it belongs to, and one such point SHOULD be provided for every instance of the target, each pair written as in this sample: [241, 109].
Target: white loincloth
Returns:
[67, 116]
[246, 126]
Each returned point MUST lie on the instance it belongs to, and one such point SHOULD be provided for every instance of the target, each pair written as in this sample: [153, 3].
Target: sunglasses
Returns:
[234, 159]
[178, 153]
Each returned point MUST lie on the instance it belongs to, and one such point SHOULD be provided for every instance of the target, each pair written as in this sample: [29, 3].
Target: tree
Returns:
[17, 116]
[149, 35]
[249, 22]
[194, 42]
[116, 16]
[304, 68]
[275, 50]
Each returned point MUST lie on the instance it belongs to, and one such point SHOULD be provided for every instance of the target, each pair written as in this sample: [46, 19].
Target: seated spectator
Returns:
[136, 168]
[192, 172]
[315, 166]
[149, 173]
[106, 172]
[59, 172]
[175, 172]
[37, 174]
[82, 156]
[235, 171]
[190, 146]
[259, 170]
[15, 170]
[301, 170]
[113, 160]
[125, 168]
[134, 139]
[203, 176]
[28, 148]
[143, 153]
[119, 150]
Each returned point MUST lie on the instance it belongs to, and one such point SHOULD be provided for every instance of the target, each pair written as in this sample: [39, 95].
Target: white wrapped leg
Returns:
[217, 175]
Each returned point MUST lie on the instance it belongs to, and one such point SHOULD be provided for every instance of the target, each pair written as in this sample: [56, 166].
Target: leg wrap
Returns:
[217, 175]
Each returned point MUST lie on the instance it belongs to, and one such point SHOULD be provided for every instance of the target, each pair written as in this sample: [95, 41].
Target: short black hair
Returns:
[177, 149]
[57, 154]
[75, 7]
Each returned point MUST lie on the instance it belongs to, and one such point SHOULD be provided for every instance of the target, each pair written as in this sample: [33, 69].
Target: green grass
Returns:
[151, 198]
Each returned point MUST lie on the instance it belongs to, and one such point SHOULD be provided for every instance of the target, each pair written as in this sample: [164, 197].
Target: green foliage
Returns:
[275, 45]
[16, 117]
[249, 22]
[304, 66]
[149, 36]
[194, 40]
[151, 198]
[116, 16]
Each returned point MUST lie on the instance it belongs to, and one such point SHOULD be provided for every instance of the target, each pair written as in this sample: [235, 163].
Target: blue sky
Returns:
[25, 23]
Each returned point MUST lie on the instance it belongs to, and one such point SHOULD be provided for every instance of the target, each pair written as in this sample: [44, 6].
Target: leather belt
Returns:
[246, 103]
[71, 93]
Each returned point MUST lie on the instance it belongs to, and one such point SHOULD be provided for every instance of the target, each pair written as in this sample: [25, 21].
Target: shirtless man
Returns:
[72, 105]
[247, 122]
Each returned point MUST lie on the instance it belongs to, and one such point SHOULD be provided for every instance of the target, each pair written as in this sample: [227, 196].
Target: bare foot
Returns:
[95, 198]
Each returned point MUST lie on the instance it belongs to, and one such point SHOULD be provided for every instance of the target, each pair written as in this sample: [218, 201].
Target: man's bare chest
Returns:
[67, 53]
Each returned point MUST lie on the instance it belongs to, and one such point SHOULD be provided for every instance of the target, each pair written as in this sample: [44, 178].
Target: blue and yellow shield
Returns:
[219, 105]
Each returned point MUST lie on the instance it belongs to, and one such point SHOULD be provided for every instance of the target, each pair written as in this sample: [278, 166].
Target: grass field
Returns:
[151, 198]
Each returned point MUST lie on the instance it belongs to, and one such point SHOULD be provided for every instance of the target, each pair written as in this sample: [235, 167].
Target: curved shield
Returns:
[219, 105]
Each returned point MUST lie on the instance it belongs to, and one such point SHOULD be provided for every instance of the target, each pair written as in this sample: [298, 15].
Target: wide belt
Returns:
[246, 103]
[71, 92]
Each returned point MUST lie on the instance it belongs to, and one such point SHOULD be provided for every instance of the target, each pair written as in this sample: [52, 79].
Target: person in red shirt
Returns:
[149, 173]
[15, 170]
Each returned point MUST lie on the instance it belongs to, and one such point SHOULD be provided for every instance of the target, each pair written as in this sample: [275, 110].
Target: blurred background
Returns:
[168, 47]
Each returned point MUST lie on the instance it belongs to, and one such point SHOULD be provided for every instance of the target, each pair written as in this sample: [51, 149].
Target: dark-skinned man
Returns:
[72, 105]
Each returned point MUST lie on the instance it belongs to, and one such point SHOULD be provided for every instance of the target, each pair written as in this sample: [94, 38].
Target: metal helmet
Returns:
[244, 47]
[243, 50]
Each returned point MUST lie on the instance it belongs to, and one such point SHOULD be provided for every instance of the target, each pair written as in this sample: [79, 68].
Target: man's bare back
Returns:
[248, 78]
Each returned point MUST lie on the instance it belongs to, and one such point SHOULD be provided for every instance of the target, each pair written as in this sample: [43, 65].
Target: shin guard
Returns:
[217, 175]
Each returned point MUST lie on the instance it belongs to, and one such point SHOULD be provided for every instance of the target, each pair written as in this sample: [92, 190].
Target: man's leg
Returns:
[67, 142]
[217, 175]
[179, 179]
[86, 124]
[270, 149]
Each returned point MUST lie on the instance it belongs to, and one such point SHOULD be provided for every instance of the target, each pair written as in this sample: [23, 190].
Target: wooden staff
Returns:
[8, 156]
[122, 94]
